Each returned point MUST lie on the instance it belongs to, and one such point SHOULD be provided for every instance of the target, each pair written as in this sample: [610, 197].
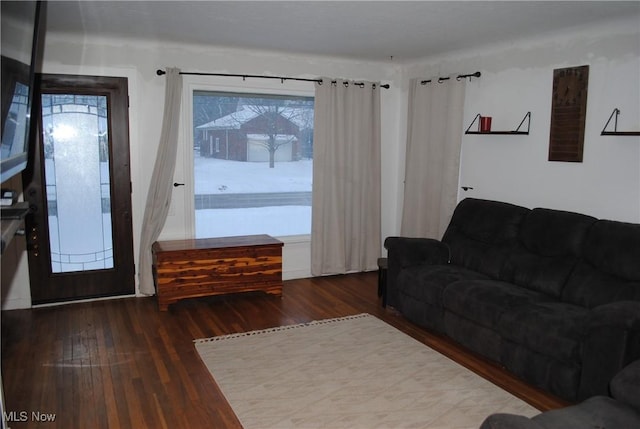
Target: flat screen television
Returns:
[19, 53]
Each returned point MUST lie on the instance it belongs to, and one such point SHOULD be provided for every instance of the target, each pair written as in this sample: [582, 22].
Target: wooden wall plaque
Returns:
[568, 113]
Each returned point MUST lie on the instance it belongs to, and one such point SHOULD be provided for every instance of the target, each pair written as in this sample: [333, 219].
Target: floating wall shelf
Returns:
[517, 131]
[615, 131]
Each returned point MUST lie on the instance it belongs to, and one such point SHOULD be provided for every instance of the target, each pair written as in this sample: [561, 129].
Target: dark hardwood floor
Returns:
[123, 364]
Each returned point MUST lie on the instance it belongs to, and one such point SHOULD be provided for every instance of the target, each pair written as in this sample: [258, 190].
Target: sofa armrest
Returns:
[612, 341]
[625, 314]
[405, 251]
[625, 386]
[509, 421]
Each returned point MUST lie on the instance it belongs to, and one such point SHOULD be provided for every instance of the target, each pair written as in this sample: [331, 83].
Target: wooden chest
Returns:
[213, 266]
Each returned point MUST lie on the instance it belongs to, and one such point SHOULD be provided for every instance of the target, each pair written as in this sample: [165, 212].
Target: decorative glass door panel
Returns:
[79, 231]
[76, 168]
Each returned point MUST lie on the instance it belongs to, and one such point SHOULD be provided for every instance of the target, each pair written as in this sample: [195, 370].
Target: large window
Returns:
[252, 164]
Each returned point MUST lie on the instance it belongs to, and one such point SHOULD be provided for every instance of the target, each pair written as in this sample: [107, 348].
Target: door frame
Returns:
[48, 287]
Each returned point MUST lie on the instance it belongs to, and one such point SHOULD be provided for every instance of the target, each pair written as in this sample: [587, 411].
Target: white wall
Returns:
[139, 60]
[516, 78]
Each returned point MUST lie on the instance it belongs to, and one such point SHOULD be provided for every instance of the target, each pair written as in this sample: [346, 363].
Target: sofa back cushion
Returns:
[609, 270]
[482, 233]
[550, 242]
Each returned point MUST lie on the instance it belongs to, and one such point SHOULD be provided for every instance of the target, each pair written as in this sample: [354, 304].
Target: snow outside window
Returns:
[252, 164]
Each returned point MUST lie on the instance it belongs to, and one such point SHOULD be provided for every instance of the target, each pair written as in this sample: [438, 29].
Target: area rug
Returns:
[351, 372]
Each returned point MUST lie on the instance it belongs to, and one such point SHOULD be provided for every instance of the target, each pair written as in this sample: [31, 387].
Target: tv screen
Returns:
[18, 52]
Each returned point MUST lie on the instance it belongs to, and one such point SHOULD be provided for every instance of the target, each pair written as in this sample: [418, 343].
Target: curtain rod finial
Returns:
[160, 72]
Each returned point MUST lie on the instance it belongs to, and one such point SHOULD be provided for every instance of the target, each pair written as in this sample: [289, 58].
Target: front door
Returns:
[79, 235]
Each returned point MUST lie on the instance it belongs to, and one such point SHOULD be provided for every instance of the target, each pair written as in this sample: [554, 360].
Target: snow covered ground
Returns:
[216, 176]
[278, 221]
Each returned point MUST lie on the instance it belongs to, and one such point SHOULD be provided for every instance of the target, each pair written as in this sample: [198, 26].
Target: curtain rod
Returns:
[461, 76]
[244, 76]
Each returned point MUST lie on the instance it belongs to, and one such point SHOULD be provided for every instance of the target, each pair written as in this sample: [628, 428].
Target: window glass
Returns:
[78, 184]
[252, 164]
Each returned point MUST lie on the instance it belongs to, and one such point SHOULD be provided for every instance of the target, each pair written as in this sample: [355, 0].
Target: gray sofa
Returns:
[551, 295]
[621, 410]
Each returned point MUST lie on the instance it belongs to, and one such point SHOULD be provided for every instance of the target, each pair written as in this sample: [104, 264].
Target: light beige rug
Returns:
[352, 372]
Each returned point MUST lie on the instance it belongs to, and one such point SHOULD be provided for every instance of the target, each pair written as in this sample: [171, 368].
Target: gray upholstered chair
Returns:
[619, 411]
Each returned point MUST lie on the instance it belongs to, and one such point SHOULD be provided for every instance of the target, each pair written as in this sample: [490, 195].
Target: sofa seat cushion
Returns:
[484, 301]
[426, 282]
[549, 328]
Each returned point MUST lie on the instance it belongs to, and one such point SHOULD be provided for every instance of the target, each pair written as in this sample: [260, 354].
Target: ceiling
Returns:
[362, 30]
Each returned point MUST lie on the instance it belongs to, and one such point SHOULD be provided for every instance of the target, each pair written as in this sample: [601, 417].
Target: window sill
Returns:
[295, 239]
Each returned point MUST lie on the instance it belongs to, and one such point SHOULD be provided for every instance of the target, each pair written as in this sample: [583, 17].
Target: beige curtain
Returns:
[434, 138]
[345, 226]
[159, 195]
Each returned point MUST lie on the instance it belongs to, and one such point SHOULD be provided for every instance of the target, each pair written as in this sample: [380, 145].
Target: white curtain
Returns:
[159, 195]
[434, 138]
[345, 226]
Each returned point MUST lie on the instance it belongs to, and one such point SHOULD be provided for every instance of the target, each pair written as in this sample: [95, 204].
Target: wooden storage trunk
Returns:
[213, 266]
